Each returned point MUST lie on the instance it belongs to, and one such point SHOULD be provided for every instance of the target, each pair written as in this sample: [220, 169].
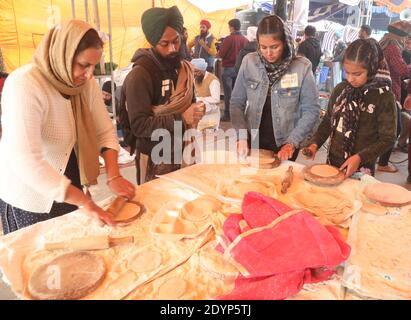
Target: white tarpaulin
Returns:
[301, 13]
[350, 2]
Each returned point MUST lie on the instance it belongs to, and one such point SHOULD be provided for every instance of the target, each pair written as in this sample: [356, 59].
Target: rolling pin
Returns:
[287, 180]
[117, 205]
[88, 243]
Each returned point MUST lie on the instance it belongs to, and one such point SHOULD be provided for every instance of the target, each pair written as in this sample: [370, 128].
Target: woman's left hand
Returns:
[286, 152]
[122, 187]
[351, 164]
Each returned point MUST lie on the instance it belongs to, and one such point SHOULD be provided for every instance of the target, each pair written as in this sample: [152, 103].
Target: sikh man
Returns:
[204, 45]
[207, 90]
[158, 95]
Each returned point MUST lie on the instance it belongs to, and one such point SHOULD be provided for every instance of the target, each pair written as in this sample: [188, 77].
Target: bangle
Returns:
[85, 204]
[113, 178]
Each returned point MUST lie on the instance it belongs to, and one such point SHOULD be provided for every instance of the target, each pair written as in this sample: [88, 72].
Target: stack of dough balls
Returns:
[263, 159]
[330, 206]
[190, 220]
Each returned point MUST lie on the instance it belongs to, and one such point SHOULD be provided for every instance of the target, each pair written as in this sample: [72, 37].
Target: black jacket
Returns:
[311, 49]
[248, 48]
[145, 87]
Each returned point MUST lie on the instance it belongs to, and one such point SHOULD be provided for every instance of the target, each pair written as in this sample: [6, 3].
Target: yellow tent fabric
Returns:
[24, 22]
[395, 6]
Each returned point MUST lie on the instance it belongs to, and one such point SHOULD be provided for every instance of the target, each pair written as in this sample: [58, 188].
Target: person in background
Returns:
[250, 47]
[365, 32]
[108, 98]
[405, 114]
[392, 45]
[204, 45]
[361, 116]
[275, 97]
[339, 47]
[228, 53]
[158, 94]
[338, 54]
[55, 126]
[406, 54]
[184, 51]
[207, 90]
[311, 47]
[407, 106]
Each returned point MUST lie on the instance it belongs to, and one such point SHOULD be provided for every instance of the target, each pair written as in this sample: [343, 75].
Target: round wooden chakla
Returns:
[388, 194]
[263, 159]
[321, 180]
[69, 276]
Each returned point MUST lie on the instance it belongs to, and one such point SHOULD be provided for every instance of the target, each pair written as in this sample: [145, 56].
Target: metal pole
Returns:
[281, 9]
[96, 15]
[86, 9]
[73, 9]
[113, 91]
[97, 23]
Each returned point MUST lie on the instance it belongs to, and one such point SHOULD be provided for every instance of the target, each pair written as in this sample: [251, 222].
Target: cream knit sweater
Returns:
[38, 136]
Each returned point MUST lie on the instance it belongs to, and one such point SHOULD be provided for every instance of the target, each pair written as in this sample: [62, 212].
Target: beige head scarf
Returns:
[54, 57]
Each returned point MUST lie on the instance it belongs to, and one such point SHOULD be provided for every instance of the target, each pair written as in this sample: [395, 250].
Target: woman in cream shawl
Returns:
[55, 126]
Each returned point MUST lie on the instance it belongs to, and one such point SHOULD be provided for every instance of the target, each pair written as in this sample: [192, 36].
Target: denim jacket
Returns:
[294, 100]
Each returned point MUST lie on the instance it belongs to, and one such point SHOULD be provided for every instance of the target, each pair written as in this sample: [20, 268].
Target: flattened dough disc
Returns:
[323, 175]
[146, 261]
[236, 189]
[172, 289]
[69, 276]
[324, 170]
[129, 212]
[263, 159]
[199, 209]
[212, 261]
[388, 194]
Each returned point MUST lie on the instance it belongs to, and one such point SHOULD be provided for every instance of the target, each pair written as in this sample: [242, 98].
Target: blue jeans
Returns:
[229, 75]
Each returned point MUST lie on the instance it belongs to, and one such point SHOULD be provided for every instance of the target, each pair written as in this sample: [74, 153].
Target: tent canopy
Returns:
[22, 26]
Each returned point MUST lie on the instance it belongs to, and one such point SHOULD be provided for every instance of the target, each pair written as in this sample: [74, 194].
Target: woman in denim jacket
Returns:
[275, 98]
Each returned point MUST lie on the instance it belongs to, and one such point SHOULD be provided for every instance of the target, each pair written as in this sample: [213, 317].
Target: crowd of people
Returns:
[56, 119]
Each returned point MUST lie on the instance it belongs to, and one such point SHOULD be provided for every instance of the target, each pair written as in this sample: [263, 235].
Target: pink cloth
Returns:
[282, 258]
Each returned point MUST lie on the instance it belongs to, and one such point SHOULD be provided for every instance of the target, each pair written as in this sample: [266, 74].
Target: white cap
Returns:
[199, 64]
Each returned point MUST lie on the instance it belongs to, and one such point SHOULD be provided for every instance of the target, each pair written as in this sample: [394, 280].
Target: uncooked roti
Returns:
[69, 276]
[238, 188]
[176, 226]
[263, 159]
[128, 212]
[331, 206]
[146, 261]
[324, 170]
[172, 289]
[323, 175]
[388, 194]
[199, 209]
[213, 261]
